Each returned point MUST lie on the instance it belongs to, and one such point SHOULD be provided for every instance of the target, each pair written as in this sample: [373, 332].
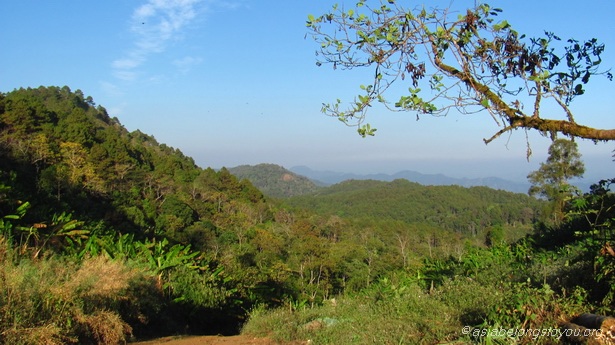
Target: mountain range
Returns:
[331, 177]
[276, 181]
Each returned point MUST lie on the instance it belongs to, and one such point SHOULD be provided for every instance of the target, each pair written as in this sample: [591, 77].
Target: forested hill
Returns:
[274, 180]
[77, 187]
[63, 153]
[463, 210]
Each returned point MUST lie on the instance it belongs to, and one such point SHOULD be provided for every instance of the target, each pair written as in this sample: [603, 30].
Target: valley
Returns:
[108, 236]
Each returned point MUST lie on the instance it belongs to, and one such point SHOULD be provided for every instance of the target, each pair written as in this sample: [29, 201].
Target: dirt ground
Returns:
[214, 340]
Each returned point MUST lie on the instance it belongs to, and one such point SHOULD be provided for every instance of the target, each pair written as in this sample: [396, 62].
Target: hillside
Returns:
[107, 236]
[65, 154]
[279, 182]
[467, 211]
[75, 185]
[274, 180]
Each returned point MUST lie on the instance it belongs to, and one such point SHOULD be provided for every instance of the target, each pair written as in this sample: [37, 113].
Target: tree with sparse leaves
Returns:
[466, 61]
[551, 180]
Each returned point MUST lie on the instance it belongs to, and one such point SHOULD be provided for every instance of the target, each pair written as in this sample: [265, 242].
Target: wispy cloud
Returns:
[185, 64]
[155, 24]
[110, 89]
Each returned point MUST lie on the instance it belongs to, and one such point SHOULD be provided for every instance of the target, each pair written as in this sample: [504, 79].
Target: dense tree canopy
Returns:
[465, 61]
[67, 153]
[461, 210]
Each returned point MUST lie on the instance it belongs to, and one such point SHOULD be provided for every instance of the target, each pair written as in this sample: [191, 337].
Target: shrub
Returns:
[392, 311]
[54, 300]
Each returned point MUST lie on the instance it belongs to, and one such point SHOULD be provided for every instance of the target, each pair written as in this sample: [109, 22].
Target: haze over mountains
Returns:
[277, 181]
[331, 177]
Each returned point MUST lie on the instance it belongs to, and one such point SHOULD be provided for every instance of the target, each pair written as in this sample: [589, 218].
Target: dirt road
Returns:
[214, 340]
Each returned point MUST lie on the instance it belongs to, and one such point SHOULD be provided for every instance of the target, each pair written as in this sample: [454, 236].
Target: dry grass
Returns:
[97, 278]
[105, 327]
[45, 335]
[58, 301]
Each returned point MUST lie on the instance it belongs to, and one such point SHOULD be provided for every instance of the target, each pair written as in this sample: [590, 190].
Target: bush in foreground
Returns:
[55, 300]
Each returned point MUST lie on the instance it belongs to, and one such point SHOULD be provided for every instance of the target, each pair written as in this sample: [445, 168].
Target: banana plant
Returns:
[6, 222]
[62, 232]
[161, 258]
[124, 246]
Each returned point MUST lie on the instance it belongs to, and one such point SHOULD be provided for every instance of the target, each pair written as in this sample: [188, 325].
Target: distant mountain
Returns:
[274, 180]
[331, 177]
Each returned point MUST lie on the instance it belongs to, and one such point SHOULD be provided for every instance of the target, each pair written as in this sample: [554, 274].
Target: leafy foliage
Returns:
[467, 211]
[106, 234]
[469, 62]
[564, 163]
[75, 158]
[551, 179]
[535, 283]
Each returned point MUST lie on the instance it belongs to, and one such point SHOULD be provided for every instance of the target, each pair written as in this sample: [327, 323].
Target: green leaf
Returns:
[366, 130]
[21, 210]
[500, 26]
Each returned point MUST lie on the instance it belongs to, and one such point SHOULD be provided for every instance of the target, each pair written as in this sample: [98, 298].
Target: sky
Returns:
[236, 82]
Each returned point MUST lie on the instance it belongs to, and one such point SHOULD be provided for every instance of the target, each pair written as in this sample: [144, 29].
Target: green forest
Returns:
[275, 181]
[108, 236]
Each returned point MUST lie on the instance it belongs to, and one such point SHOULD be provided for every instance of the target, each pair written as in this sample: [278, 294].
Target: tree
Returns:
[551, 179]
[468, 61]
[78, 170]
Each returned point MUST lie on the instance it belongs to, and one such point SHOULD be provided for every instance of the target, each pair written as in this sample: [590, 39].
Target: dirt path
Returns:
[213, 340]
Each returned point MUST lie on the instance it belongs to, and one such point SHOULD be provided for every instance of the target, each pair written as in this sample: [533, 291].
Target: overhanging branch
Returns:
[515, 120]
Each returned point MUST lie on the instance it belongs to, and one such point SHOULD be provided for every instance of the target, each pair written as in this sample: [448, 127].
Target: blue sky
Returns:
[235, 82]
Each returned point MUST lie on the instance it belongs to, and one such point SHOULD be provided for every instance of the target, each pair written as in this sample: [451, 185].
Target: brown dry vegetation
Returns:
[56, 301]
